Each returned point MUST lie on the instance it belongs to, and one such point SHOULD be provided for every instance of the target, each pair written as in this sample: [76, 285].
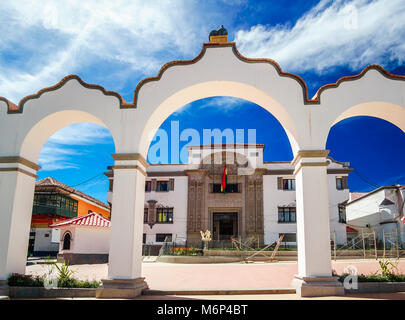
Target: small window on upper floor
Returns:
[342, 213]
[229, 188]
[285, 184]
[162, 186]
[148, 186]
[341, 183]
[145, 215]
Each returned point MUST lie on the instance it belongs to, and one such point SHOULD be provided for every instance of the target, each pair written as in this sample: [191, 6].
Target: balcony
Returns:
[45, 209]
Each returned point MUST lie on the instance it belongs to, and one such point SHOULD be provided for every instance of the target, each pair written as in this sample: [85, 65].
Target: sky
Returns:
[116, 44]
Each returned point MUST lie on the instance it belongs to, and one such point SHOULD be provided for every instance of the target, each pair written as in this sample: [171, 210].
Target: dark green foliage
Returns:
[24, 280]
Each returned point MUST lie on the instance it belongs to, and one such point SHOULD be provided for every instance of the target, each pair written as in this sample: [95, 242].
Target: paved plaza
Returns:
[165, 276]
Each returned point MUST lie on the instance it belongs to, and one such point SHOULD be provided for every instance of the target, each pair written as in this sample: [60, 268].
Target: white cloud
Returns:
[63, 149]
[334, 33]
[81, 134]
[62, 37]
[222, 103]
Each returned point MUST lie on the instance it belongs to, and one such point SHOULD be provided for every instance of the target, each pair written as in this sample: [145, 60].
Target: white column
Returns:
[125, 255]
[313, 233]
[17, 184]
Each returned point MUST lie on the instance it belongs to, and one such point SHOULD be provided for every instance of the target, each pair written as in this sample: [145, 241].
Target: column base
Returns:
[4, 288]
[124, 289]
[317, 286]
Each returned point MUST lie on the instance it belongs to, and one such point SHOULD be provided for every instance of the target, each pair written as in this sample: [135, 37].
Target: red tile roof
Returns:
[91, 220]
[49, 181]
[356, 195]
[349, 229]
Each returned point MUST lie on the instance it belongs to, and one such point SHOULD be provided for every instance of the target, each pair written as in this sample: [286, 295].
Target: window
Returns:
[164, 215]
[286, 215]
[148, 186]
[341, 183]
[144, 238]
[50, 201]
[342, 213]
[66, 241]
[145, 215]
[285, 184]
[229, 188]
[288, 184]
[161, 237]
[289, 237]
[162, 186]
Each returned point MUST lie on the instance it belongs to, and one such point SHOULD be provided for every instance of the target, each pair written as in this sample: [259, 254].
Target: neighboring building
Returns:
[381, 210]
[55, 201]
[84, 240]
[182, 199]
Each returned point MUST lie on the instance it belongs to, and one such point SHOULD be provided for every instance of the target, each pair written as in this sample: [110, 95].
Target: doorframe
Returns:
[212, 210]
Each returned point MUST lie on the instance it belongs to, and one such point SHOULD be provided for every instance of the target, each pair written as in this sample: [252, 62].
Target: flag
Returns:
[224, 180]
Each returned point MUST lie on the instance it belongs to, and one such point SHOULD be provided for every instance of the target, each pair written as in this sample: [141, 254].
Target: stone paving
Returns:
[165, 276]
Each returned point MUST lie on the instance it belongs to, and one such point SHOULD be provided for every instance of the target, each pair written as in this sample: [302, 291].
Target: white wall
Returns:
[86, 239]
[273, 198]
[336, 197]
[177, 199]
[43, 243]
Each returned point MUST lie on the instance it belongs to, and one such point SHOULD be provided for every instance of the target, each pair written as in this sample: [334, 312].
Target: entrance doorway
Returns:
[225, 225]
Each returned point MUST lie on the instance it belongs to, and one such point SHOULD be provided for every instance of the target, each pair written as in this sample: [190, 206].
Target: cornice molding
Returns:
[129, 157]
[22, 161]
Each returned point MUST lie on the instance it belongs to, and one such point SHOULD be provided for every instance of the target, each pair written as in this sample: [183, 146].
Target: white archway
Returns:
[217, 71]
[212, 89]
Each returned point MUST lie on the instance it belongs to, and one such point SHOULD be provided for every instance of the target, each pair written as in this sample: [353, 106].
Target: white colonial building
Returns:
[381, 211]
[260, 199]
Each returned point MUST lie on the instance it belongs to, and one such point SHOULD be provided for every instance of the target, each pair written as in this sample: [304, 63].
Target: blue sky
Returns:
[117, 43]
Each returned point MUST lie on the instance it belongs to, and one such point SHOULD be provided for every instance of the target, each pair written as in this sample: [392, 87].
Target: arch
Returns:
[46, 127]
[393, 113]
[379, 109]
[54, 108]
[212, 89]
[67, 240]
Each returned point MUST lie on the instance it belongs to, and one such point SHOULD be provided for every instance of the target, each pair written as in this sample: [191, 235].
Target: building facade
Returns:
[84, 239]
[381, 211]
[259, 200]
[54, 202]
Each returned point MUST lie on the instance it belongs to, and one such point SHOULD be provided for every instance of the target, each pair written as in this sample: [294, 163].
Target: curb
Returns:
[213, 292]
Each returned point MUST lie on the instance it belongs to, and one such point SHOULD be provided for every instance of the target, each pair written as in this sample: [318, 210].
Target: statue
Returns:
[206, 238]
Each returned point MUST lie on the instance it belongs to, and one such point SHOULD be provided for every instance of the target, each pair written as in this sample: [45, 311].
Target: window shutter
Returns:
[153, 187]
[337, 186]
[344, 182]
[171, 184]
[280, 183]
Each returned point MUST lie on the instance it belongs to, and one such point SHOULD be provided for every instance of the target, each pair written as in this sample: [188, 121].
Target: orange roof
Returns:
[91, 220]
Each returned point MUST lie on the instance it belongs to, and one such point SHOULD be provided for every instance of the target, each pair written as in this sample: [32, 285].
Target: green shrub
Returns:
[74, 283]
[24, 280]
